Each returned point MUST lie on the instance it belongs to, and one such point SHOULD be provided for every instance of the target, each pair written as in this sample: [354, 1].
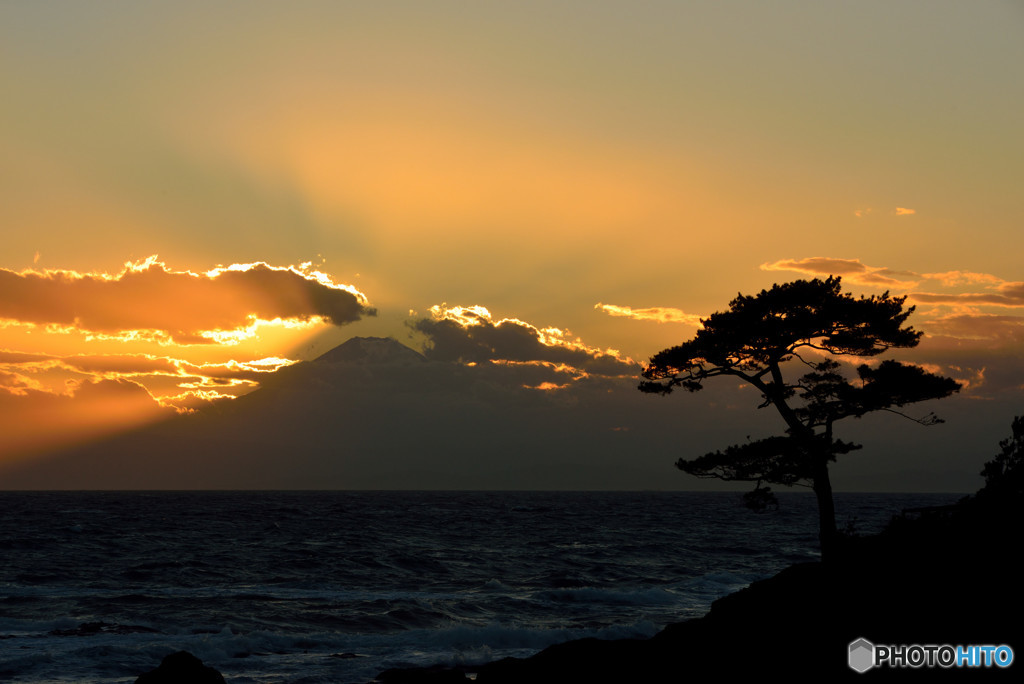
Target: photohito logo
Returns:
[864, 655]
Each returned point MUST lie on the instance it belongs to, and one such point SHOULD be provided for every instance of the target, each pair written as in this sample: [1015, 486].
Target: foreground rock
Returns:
[181, 668]
[945, 581]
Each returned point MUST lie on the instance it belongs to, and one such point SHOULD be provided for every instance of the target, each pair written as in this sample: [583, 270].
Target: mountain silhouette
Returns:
[370, 350]
[374, 414]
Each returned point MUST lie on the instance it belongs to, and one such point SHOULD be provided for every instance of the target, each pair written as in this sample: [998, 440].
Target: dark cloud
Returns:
[175, 305]
[122, 364]
[894, 274]
[469, 335]
[7, 356]
[818, 265]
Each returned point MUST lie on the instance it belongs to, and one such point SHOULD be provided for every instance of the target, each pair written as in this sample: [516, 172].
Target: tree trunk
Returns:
[827, 533]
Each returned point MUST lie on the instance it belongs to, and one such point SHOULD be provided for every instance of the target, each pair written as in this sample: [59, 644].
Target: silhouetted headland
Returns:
[932, 577]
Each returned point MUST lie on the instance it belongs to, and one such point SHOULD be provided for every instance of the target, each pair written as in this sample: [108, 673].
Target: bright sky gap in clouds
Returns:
[308, 175]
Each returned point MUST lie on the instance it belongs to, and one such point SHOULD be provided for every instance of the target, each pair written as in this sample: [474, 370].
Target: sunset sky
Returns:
[194, 195]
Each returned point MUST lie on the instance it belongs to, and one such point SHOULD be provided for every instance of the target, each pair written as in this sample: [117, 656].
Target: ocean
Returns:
[338, 586]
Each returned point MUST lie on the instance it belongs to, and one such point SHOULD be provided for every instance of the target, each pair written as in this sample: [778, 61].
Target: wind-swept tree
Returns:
[1004, 474]
[801, 325]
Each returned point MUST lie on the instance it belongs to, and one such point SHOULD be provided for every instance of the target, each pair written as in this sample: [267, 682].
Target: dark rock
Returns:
[181, 668]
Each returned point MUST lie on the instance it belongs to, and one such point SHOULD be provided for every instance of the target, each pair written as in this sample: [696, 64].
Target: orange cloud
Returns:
[1007, 294]
[995, 328]
[1000, 292]
[147, 300]
[898, 211]
[978, 346]
[979, 349]
[853, 270]
[16, 383]
[967, 322]
[660, 314]
[546, 386]
[953, 278]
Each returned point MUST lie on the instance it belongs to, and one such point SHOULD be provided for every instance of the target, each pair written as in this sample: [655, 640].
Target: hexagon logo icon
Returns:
[862, 655]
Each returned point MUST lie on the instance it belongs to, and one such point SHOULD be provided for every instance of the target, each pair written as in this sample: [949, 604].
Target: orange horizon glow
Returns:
[36, 422]
[111, 351]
